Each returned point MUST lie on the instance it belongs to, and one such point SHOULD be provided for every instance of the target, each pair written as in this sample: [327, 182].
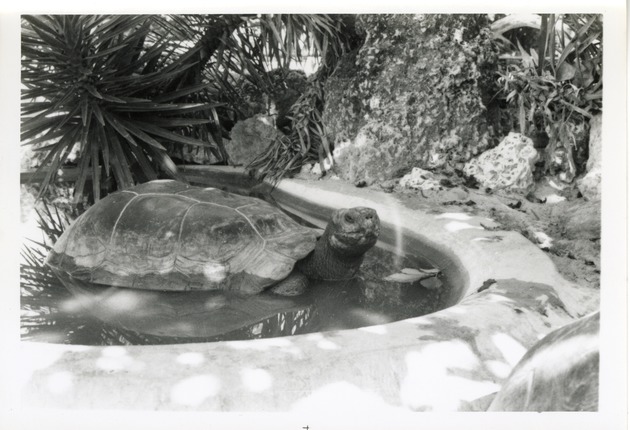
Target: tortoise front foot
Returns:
[293, 285]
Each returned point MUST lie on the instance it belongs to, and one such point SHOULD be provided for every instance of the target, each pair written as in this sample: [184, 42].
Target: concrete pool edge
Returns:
[466, 350]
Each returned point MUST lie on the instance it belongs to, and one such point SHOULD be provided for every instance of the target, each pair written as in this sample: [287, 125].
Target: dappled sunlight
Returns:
[76, 304]
[215, 272]
[215, 302]
[113, 301]
[114, 358]
[376, 329]
[195, 390]
[510, 349]
[498, 368]
[459, 310]
[190, 358]
[543, 299]
[498, 298]
[322, 342]
[121, 301]
[342, 397]
[454, 215]
[327, 344]
[60, 382]
[369, 317]
[256, 380]
[279, 344]
[37, 357]
[429, 383]
[454, 226]
[561, 355]
[421, 320]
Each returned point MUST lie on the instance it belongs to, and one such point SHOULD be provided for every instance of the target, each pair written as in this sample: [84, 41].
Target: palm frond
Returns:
[91, 81]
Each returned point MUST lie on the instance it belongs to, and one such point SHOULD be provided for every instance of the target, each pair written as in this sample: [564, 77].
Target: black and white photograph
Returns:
[307, 220]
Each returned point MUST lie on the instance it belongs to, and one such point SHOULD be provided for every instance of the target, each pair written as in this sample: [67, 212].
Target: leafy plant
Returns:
[119, 95]
[307, 140]
[557, 87]
[107, 91]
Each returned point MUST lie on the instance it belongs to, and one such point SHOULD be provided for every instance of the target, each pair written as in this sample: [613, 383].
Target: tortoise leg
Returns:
[293, 285]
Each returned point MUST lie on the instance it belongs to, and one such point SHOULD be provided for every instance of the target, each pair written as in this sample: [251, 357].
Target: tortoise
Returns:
[559, 373]
[166, 235]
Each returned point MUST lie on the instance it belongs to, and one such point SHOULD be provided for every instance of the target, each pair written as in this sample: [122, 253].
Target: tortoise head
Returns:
[351, 232]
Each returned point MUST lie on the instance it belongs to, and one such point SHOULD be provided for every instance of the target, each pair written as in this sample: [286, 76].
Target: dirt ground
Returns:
[569, 231]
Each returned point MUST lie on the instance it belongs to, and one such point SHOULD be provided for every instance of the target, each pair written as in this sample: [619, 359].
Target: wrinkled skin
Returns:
[339, 253]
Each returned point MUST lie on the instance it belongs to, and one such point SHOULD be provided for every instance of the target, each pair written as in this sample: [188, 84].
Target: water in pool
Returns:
[64, 310]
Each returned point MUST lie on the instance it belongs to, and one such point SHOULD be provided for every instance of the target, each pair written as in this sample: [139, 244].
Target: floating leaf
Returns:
[408, 275]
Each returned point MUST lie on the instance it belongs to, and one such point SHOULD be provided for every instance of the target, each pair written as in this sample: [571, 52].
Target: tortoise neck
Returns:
[326, 263]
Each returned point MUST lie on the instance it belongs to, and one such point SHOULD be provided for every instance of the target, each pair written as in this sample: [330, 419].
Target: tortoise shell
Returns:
[167, 235]
[559, 373]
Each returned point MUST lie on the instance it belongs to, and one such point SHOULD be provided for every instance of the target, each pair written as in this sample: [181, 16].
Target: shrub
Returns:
[556, 87]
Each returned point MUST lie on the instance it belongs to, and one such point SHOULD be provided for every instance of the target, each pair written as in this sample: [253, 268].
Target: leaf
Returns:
[571, 46]
[408, 275]
[142, 135]
[119, 163]
[577, 109]
[565, 72]
[144, 163]
[416, 271]
[83, 174]
[180, 93]
[96, 174]
[158, 131]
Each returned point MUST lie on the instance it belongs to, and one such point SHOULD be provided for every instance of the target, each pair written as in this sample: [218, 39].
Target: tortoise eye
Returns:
[348, 218]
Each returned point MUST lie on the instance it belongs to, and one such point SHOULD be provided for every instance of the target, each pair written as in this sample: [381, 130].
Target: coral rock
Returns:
[408, 97]
[508, 166]
[419, 179]
[251, 137]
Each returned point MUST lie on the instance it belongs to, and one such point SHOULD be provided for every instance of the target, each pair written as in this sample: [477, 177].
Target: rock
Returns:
[454, 194]
[409, 96]
[542, 240]
[509, 166]
[389, 185]
[582, 219]
[590, 184]
[559, 373]
[306, 172]
[251, 137]
[420, 179]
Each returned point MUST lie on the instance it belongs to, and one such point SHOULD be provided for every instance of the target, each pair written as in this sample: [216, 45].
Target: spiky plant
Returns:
[41, 293]
[111, 91]
[119, 93]
[274, 41]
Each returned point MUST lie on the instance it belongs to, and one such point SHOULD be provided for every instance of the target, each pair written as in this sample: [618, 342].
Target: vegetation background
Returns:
[121, 97]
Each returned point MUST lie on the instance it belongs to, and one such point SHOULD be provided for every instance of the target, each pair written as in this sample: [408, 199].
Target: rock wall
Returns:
[410, 96]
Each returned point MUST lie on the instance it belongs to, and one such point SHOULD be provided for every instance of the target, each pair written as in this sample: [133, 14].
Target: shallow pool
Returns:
[76, 312]
[100, 315]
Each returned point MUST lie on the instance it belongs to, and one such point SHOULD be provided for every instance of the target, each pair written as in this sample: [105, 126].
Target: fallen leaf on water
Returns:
[408, 275]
